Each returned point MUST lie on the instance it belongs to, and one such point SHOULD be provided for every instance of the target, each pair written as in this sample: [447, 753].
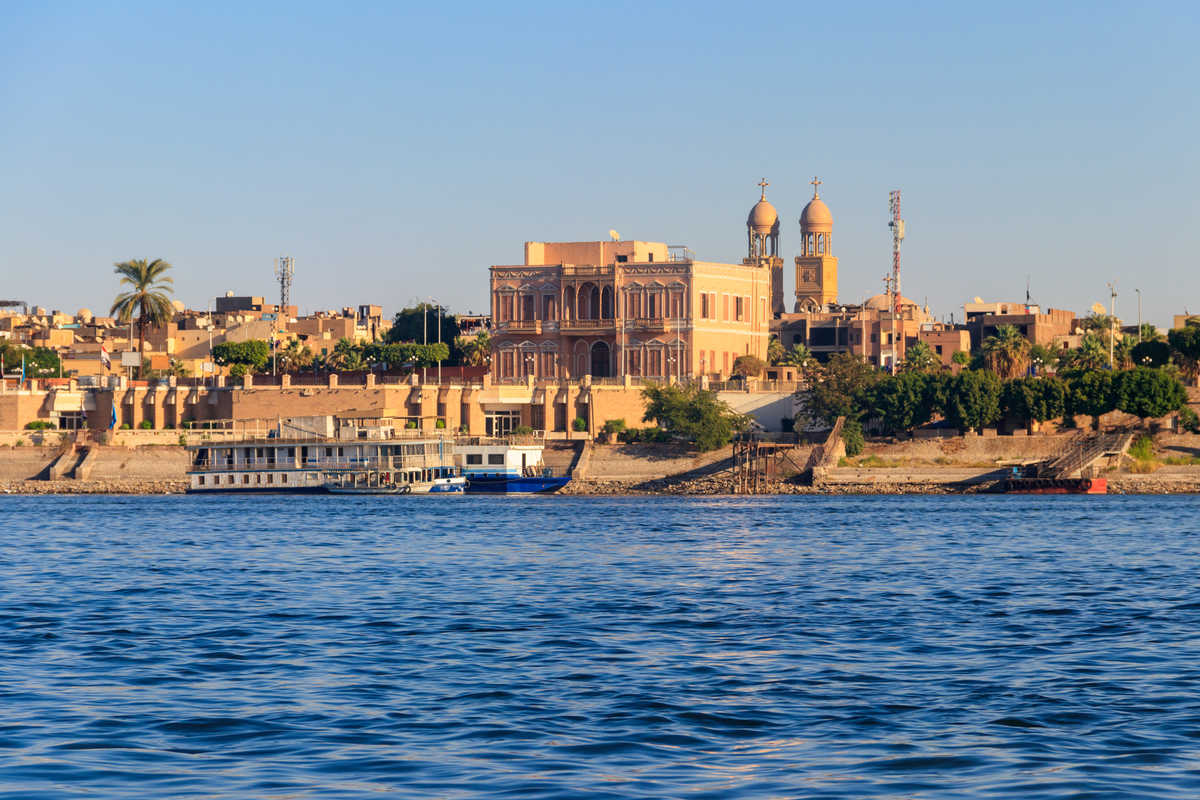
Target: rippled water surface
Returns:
[277, 647]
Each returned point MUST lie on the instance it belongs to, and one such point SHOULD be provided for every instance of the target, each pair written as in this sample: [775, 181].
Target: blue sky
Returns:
[397, 151]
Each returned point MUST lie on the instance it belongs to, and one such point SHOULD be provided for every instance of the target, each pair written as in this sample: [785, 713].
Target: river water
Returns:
[555, 647]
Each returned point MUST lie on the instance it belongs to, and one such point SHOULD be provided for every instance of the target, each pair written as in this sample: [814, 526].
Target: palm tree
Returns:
[478, 351]
[1007, 352]
[347, 357]
[921, 358]
[1123, 351]
[147, 295]
[294, 357]
[1091, 354]
[774, 350]
[1150, 333]
[1043, 357]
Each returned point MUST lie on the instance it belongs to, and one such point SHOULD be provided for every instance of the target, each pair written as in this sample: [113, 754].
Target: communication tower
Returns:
[285, 269]
[897, 226]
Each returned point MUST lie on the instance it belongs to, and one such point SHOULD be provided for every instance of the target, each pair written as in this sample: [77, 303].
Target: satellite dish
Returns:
[979, 300]
[616, 237]
[1097, 308]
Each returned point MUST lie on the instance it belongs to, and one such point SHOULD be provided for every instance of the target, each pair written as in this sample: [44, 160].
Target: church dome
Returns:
[879, 302]
[762, 217]
[816, 215]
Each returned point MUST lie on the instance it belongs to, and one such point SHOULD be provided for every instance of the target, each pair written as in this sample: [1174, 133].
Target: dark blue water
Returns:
[993, 647]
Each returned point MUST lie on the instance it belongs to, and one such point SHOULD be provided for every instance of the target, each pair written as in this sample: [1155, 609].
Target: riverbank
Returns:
[960, 465]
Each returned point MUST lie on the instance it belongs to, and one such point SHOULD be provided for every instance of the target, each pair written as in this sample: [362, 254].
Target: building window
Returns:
[652, 305]
[654, 363]
[506, 308]
[739, 310]
[650, 258]
[704, 306]
[725, 307]
[622, 259]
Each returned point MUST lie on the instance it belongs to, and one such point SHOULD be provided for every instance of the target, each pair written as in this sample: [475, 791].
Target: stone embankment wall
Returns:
[111, 470]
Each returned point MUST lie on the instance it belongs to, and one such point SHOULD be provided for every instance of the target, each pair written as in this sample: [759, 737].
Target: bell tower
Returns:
[762, 245]
[816, 266]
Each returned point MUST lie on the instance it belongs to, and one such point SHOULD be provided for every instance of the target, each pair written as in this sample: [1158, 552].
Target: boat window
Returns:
[474, 458]
[495, 458]
[201, 480]
[245, 479]
[283, 478]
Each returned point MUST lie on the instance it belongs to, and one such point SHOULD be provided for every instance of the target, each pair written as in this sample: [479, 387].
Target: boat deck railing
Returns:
[402, 462]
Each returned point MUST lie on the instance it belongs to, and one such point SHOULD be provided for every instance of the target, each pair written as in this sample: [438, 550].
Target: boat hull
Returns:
[516, 485]
[1056, 486]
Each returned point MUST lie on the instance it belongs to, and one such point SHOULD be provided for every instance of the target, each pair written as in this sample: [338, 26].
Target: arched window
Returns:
[600, 360]
[569, 310]
[606, 303]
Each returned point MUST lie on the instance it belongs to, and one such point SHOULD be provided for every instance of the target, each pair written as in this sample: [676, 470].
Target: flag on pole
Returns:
[22, 368]
[112, 418]
[104, 357]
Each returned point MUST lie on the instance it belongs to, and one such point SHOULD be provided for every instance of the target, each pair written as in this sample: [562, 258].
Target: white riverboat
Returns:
[323, 454]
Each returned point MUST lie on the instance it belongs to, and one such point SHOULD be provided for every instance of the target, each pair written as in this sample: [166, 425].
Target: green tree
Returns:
[1038, 399]
[1091, 392]
[1150, 333]
[799, 356]
[748, 366]
[775, 350]
[1185, 348]
[419, 324]
[837, 388]
[1092, 354]
[147, 295]
[1123, 351]
[973, 399]
[1148, 393]
[294, 356]
[1043, 358]
[477, 351]
[1007, 352]
[921, 358]
[250, 356]
[1151, 353]
[961, 357]
[902, 402]
[692, 413]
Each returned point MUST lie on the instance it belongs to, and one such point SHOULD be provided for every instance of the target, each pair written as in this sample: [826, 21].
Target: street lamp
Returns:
[529, 362]
[1139, 294]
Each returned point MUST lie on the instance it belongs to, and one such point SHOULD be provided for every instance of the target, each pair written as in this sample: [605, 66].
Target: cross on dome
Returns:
[764, 183]
[816, 183]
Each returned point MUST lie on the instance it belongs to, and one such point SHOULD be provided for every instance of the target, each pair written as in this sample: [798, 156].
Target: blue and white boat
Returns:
[499, 467]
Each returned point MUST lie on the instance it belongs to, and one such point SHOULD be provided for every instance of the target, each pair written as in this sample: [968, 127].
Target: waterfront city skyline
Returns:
[396, 154]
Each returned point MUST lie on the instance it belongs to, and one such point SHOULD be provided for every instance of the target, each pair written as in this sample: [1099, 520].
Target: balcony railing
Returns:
[589, 324]
[652, 324]
[530, 326]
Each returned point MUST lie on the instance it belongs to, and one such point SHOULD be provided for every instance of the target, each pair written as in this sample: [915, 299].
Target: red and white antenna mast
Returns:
[897, 226]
